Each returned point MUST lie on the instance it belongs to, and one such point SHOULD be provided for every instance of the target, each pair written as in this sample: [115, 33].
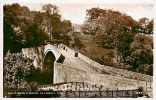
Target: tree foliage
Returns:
[30, 28]
[114, 30]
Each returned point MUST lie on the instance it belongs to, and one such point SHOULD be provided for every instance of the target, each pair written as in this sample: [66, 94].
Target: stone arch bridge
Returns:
[66, 67]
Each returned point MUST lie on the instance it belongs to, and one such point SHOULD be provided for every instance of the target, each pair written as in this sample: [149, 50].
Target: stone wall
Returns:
[69, 74]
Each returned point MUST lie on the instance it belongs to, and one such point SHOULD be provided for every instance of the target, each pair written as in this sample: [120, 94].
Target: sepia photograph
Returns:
[77, 50]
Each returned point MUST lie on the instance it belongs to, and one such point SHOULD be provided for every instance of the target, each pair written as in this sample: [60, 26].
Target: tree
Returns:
[106, 25]
[32, 27]
[104, 21]
[50, 9]
[141, 57]
[15, 17]
[9, 36]
[15, 14]
[34, 35]
[66, 26]
[150, 27]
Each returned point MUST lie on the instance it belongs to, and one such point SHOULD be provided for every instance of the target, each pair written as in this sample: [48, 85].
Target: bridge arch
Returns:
[48, 67]
[50, 56]
[48, 61]
[53, 49]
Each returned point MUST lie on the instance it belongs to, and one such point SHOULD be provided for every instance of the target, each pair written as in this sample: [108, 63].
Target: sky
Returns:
[76, 11]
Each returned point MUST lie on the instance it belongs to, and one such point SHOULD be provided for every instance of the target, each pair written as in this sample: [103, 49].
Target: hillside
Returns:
[115, 39]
